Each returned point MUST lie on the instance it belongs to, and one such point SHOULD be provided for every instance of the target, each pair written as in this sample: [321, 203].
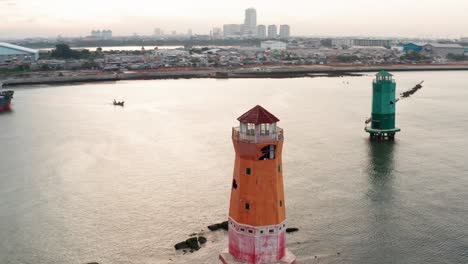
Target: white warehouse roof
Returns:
[9, 51]
[438, 45]
[18, 48]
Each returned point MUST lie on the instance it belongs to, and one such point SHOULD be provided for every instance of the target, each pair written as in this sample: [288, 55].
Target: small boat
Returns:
[121, 103]
[5, 100]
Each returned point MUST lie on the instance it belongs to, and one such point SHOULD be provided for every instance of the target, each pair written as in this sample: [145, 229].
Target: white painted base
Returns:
[226, 258]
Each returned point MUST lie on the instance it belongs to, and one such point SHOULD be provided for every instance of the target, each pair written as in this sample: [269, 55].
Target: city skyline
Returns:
[26, 18]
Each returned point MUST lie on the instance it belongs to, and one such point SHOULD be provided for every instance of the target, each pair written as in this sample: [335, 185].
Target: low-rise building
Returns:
[273, 45]
[371, 42]
[342, 42]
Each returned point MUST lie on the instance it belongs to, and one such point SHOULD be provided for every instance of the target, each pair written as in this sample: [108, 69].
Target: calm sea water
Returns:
[82, 180]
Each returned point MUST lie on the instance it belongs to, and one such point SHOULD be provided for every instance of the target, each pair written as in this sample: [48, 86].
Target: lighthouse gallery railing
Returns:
[257, 137]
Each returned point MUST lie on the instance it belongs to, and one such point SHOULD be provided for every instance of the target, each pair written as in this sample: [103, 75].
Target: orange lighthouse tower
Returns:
[257, 215]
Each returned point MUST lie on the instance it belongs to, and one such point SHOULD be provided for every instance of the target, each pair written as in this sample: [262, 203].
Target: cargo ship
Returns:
[5, 100]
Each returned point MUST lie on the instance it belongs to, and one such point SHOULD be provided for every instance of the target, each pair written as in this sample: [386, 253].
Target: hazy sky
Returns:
[412, 18]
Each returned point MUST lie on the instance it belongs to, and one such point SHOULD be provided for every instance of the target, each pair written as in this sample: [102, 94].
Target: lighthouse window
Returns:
[247, 206]
[271, 230]
[247, 171]
[268, 153]
[281, 203]
[251, 129]
[264, 129]
[250, 231]
[279, 168]
[234, 184]
[242, 229]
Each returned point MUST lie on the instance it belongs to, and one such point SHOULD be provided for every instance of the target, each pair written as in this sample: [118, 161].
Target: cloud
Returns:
[306, 17]
[8, 2]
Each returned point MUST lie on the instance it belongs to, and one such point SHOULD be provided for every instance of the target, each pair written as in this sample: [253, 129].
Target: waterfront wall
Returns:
[274, 72]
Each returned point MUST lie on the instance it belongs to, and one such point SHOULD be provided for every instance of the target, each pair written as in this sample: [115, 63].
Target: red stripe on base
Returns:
[257, 244]
[5, 108]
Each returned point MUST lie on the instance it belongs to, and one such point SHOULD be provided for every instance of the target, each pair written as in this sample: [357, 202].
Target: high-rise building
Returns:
[250, 22]
[285, 32]
[272, 31]
[216, 33]
[106, 34]
[261, 32]
[189, 33]
[232, 30]
[96, 33]
[157, 32]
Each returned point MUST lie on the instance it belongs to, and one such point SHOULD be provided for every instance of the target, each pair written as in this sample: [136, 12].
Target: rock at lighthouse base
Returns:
[226, 258]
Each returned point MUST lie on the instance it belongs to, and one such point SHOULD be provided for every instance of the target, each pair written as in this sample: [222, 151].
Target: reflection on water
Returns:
[382, 228]
[380, 169]
[6, 112]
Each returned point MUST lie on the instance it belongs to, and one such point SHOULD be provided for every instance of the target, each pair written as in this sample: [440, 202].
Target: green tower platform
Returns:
[383, 107]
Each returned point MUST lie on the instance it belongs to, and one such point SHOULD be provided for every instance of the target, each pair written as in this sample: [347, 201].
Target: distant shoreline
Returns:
[214, 73]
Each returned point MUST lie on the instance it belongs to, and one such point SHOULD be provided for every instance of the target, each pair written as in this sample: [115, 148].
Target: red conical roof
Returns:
[258, 115]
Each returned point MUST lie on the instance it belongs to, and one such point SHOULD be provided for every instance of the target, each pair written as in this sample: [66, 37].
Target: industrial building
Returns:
[442, 50]
[413, 47]
[273, 45]
[9, 52]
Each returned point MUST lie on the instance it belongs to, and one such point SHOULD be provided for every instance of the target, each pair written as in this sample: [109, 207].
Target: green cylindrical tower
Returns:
[383, 107]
